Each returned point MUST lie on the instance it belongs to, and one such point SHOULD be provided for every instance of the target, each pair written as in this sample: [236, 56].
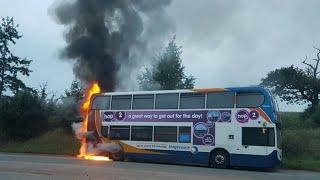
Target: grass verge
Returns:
[304, 164]
[53, 142]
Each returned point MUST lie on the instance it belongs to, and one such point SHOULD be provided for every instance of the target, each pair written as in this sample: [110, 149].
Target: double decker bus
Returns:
[219, 127]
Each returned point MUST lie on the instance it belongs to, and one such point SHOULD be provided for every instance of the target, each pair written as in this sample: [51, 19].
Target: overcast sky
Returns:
[225, 43]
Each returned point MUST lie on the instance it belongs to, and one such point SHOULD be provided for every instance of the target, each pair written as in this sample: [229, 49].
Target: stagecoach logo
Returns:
[108, 116]
[200, 129]
[213, 116]
[208, 139]
[254, 115]
[194, 150]
[242, 116]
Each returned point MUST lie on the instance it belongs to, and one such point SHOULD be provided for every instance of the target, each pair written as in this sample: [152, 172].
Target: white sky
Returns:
[225, 43]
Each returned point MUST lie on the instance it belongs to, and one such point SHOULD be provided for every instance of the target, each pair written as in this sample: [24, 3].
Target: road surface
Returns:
[26, 166]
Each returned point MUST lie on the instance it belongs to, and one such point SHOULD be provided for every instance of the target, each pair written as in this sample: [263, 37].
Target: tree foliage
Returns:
[167, 72]
[10, 65]
[296, 85]
[23, 116]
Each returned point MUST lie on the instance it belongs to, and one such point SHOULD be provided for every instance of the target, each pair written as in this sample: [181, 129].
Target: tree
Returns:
[167, 72]
[296, 85]
[76, 91]
[69, 108]
[23, 116]
[10, 65]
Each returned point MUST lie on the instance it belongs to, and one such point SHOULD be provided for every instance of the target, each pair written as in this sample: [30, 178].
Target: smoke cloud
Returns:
[99, 148]
[109, 40]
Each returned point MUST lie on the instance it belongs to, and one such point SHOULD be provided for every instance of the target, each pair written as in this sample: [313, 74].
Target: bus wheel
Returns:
[220, 159]
[118, 156]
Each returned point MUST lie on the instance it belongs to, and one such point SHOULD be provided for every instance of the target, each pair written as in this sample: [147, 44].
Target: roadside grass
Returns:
[301, 142]
[53, 142]
[301, 164]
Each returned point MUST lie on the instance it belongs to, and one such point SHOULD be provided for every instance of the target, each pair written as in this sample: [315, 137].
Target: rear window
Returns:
[249, 100]
[258, 136]
[101, 103]
[167, 101]
[192, 100]
[121, 102]
[220, 100]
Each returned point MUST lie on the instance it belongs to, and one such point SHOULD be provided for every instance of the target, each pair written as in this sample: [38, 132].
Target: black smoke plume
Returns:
[109, 39]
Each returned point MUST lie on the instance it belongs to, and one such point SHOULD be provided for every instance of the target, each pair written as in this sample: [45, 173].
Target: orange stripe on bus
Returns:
[210, 90]
[263, 114]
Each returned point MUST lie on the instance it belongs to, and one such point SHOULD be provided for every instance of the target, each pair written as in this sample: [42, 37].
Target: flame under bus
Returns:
[216, 127]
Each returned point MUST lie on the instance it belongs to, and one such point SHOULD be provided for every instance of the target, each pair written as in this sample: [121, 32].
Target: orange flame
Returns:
[92, 89]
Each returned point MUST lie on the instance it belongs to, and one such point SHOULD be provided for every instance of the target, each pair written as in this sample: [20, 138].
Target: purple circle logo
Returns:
[226, 116]
[242, 116]
[108, 116]
[213, 116]
[200, 130]
[254, 115]
[120, 115]
[208, 139]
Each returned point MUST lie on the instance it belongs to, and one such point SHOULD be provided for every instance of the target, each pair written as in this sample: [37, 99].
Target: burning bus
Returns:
[219, 127]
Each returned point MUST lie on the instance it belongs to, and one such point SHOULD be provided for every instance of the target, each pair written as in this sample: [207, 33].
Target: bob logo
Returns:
[108, 116]
[242, 116]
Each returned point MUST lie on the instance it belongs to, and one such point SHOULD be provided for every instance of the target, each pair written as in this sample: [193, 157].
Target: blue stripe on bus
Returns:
[239, 160]
[256, 161]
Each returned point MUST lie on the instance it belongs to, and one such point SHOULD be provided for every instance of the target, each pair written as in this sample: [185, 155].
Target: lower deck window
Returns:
[141, 133]
[119, 132]
[184, 134]
[165, 133]
[258, 136]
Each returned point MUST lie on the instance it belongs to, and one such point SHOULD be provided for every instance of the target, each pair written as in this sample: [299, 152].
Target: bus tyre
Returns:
[220, 159]
[118, 156]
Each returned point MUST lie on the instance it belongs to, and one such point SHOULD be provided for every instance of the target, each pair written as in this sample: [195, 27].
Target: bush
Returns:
[295, 120]
[301, 143]
[22, 116]
[315, 117]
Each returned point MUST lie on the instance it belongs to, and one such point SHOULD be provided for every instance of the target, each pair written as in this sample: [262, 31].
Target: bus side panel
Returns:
[258, 161]
[184, 157]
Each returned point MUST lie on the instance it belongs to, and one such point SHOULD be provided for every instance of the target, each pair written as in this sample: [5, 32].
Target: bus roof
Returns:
[202, 90]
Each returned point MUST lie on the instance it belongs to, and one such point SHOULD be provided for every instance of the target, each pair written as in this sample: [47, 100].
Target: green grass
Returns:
[301, 142]
[53, 142]
[303, 164]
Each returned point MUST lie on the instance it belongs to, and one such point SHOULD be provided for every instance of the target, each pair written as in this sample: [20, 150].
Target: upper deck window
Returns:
[192, 100]
[121, 102]
[101, 103]
[246, 100]
[220, 100]
[144, 101]
[167, 101]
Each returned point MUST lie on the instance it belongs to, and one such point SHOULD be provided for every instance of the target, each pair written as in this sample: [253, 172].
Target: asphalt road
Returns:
[25, 166]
